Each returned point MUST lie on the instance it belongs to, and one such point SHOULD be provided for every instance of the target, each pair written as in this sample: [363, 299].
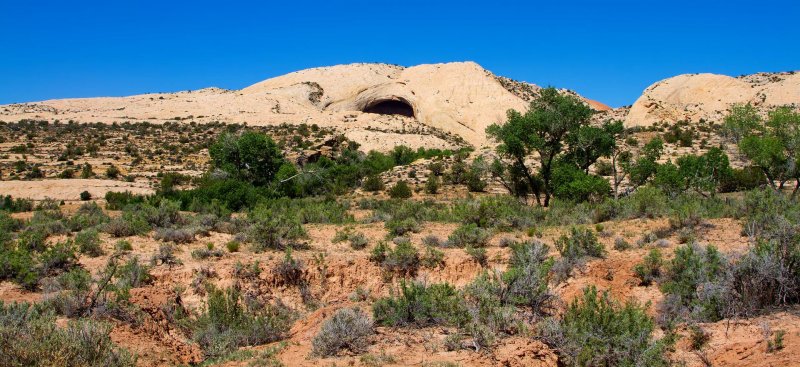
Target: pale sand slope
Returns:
[68, 189]
[457, 98]
[709, 96]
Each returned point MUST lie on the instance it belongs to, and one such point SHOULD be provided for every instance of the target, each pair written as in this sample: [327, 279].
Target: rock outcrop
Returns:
[367, 101]
[692, 97]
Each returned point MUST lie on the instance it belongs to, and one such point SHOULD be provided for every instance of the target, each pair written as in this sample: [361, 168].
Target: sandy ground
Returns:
[68, 190]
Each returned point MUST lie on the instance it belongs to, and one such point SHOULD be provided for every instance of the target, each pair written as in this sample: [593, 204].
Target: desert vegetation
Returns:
[571, 243]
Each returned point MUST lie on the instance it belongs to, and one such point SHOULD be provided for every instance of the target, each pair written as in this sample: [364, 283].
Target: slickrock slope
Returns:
[437, 102]
[709, 96]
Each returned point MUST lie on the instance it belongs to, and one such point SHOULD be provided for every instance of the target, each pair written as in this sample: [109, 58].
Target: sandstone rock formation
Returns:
[693, 97]
[432, 105]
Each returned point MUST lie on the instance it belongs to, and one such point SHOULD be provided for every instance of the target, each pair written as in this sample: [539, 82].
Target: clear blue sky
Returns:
[606, 50]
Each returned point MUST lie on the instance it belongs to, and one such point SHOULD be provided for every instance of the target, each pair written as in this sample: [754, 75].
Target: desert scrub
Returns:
[32, 338]
[348, 328]
[207, 252]
[432, 258]
[402, 227]
[165, 256]
[421, 305]
[87, 216]
[402, 259]
[174, 235]
[468, 235]
[400, 190]
[273, 230]
[228, 322]
[289, 271]
[88, 241]
[596, 330]
[357, 240]
[130, 223]
[649, 270]
[580, 243]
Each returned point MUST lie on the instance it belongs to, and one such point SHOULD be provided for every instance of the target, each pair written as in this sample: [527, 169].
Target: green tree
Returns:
[251, 157]
[589, 143]
[646, 165]
[542, 130]
[775, 148]
[742, 121]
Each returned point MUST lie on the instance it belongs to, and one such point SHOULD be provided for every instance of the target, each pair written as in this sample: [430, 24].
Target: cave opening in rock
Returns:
[390, 107]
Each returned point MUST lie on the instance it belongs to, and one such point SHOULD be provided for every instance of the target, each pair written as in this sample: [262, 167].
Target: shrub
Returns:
[597, 331]
[228, 322]
[403, 259]
[689, 271]
[205, 253]
[123, 246]
[271, 230]
[289, 271]
[88, 242]
[373, 183]
[402, 227]
[86, 196]
[432, 258]
[421, 305]
[165, 256]
[468, 235]
[358, 241]
[348, 328]
[432, 185]
[580, 243]
[400, 190]
[478, 254]
[88, 215]
[432, 241]
[527, 277]
[174, 235]
[32, 338]
[698, 338]
[232, 246]
[621, 245]
[133, 274]
[58, 258]
[128, 224]
[649, 270]
[112, 172]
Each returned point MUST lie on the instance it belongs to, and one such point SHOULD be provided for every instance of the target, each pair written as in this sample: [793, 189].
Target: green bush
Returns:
[85, 196]
[421, 305]
[130, 223]
[580, 243]
[88, 215]
[743, 179]
[228, 322]
[597, 331]
[403, 258]
[649, 270]
[432, 185]
[468, 235]
[31, 338]
[400, 190]
[402, 227]
[373, 183]
[348, 328]
[88, 241]
[273, 229]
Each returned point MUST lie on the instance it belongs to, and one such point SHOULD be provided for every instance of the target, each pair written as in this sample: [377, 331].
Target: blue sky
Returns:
[606, 50]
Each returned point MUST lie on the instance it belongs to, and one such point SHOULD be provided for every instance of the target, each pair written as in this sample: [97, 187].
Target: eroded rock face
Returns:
[709, 96]
[461, 99]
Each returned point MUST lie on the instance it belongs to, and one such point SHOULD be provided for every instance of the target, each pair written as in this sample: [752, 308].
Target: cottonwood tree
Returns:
[775, 147]
[544, 132]
[252, 157]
